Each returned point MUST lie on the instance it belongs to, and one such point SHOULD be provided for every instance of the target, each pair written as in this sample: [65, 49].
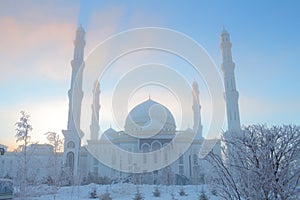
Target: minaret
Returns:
[197, 128]
[231, 94]
[94, 127]
[73, 134]
[75, 93]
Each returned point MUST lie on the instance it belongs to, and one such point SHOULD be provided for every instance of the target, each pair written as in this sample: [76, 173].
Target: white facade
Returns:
[188, 165]
[79, 161]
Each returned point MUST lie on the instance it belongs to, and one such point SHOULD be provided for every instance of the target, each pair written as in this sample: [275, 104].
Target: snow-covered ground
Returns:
[118, 192]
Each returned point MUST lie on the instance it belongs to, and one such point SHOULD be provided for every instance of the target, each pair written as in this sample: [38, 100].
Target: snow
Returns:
[117, 192]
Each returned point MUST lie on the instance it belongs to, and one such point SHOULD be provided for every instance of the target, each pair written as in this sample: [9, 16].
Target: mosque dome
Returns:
[110, 131]
[109, 134]
[150, 116]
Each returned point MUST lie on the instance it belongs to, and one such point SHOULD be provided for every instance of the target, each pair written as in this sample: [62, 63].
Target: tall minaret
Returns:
[231, 94]
[94, 127]
[75, 93]
[73, 134]
[197, 128]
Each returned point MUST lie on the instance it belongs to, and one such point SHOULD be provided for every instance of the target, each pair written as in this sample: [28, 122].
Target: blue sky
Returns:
[36, 49]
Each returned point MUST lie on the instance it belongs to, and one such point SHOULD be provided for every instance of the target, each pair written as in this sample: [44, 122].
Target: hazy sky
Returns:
[36, 48]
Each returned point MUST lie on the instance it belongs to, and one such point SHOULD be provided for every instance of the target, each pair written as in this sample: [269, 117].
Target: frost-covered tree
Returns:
[263, 163]
[23, 129]
[55, 163]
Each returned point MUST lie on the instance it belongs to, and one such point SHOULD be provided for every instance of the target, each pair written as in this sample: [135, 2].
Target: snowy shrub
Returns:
[182, 192]
[93, 194]
[105, 196]
[173, 196]
[203, 196]
[138, 195]
[156, 192]
[92, 178]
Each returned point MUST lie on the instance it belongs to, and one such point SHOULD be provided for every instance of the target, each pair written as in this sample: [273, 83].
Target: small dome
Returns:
[108, 134]
[110, 131]
[150, 116]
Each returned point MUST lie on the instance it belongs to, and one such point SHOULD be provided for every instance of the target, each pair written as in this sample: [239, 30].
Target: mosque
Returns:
[135, 154]
[161, 161]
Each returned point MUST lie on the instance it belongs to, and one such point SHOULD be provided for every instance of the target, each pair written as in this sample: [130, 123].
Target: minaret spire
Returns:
[94, 127]
[75, 92]
[73, 134]
[231, 94]
[197, 110]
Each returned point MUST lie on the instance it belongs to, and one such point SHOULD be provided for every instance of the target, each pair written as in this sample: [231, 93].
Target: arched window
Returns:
[166, 152]
[181, 159]
[195, 159]
[70, 161]
[181, 169]
[71, 145]
[145, 150]
[129, 156]
[156, 145]
[181, 165]
[113, 158]
[232, 84]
